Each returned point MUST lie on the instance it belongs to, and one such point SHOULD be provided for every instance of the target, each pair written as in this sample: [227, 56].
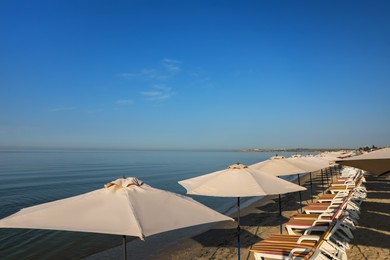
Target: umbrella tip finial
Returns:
[124, 182]
[237, 166]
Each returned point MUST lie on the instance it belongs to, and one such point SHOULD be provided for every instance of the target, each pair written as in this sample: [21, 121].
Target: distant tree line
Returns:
[368, 148]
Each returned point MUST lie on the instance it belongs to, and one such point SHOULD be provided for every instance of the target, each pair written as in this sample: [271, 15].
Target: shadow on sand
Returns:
[373, 229]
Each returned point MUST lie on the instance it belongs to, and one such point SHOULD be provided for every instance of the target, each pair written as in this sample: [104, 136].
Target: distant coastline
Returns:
[298, 150]
[115, 149]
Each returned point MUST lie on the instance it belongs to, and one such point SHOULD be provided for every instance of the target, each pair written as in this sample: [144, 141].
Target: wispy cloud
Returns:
[172, 66]
[149, 74]
[158, 92]
[59, 109]
[166, 70]
[124, 102]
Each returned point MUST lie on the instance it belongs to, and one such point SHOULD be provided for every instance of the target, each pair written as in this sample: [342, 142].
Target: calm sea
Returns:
[29, 178]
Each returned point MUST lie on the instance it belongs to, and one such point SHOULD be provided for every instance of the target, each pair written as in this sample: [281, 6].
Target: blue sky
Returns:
[194, 74]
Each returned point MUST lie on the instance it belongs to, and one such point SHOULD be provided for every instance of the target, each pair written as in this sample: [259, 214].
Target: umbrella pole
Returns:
[311, 188]
[327, 177]
[300, 194]
[331, 174]
[322, 181]
[280, 214]
[238, 229]
[124, 248]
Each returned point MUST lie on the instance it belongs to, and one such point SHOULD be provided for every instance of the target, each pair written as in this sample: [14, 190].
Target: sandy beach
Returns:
[261, 219]
[372, 235]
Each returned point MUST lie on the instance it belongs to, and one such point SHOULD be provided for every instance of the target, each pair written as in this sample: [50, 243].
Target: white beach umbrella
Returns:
[238, 180]
[376, 162]
[331, 159]
[281, 167]
[278, 167]
[126, 207]
[309, 164]
[337, 154]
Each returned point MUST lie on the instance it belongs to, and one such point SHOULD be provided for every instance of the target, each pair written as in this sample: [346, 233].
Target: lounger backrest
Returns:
[339, 212]
[334, 226]
[324, 236]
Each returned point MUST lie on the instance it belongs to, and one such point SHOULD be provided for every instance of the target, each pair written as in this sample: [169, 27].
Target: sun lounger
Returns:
[348, 207]
[328, 213]
[318, 209]
[302, 247]
[330, 197]
[302, 224]
[337, 189]
[326, 233]
[313, 216]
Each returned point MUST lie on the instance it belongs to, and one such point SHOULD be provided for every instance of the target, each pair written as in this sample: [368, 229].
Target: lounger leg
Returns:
[290, 231]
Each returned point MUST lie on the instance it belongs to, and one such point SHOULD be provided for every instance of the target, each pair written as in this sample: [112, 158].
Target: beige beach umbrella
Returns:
[281, 167]
[126, 207]
[309, 164]
[376, 162]
[278, 167]
[337, 154]
[238, 180]
[330, 159]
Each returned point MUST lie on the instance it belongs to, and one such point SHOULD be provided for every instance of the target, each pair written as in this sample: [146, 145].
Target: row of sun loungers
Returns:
[325, 228]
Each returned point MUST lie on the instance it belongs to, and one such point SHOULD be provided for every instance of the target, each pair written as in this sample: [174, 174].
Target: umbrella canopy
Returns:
[281, 167]
[376, 162]
[329, 159]
[123, 207]
[294, 165]
[337, 154]
[308, 164]
[238, 180]
[278, 167]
